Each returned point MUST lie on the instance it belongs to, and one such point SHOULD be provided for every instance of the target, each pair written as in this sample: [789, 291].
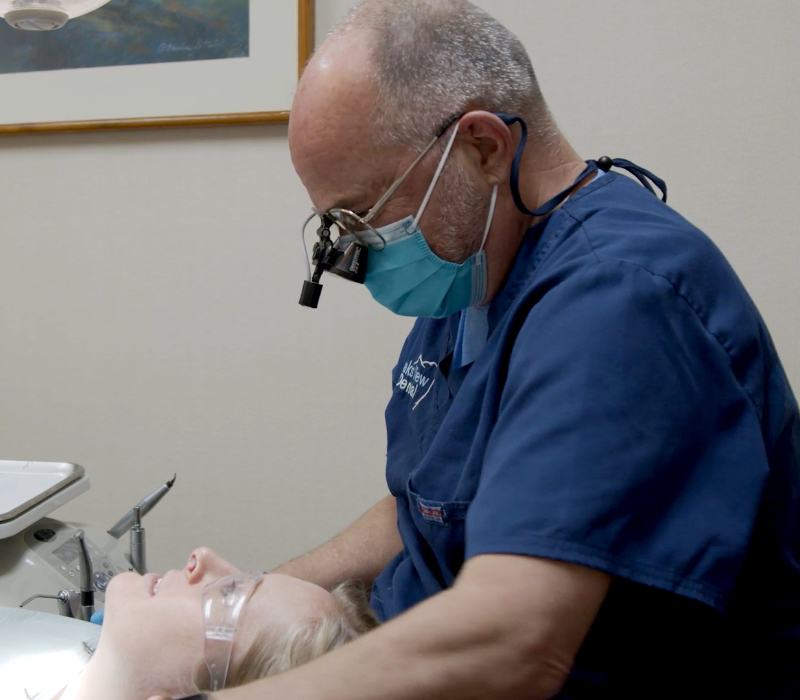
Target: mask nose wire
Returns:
[436, 175]
[306, 260]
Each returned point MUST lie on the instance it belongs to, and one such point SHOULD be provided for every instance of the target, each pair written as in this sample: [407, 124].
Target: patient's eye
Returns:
[227, 591]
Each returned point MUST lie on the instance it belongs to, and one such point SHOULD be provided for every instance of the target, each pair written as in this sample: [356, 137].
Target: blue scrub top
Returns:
[628, 413]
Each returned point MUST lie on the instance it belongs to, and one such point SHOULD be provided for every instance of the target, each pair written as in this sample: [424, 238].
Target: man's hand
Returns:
[509, 629]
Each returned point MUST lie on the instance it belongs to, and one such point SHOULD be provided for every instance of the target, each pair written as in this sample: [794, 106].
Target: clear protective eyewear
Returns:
[223, 602]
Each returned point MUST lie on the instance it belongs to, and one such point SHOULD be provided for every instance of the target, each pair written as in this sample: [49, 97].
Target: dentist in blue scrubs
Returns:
[593, 450]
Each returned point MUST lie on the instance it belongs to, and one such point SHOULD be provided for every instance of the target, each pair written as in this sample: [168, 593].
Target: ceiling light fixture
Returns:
[45, 15]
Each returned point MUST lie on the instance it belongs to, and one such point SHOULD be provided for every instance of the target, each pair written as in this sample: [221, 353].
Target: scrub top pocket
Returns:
[441, 526]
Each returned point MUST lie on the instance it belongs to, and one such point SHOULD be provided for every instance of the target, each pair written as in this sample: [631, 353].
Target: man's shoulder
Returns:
[627, 261]
[625, 222]
[624, 226]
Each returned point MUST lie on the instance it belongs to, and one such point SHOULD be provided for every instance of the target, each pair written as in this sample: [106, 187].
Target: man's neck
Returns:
[544, 173]
[548, 170]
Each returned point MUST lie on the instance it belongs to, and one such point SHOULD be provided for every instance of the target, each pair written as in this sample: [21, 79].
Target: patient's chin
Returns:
[156, 644]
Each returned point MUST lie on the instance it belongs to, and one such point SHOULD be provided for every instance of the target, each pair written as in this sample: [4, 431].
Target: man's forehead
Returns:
[331, 132]
[356, 187]
[338, 166]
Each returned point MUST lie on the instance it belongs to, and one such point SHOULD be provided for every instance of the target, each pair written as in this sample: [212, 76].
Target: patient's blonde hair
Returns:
[308, 640]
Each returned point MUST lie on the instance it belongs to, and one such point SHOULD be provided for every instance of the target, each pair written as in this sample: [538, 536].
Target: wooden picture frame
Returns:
[305, 46]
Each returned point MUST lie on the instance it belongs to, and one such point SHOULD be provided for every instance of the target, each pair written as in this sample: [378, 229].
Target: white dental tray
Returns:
[31, 490]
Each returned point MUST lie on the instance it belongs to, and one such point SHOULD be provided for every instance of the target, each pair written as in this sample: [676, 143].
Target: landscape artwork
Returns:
[133, 32]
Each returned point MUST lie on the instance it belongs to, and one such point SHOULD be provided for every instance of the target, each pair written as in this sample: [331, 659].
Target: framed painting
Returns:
[151, 63]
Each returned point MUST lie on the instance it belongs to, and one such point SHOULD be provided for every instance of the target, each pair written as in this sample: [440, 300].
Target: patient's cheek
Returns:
[115, 596]
[115, 583]
[127, 610]
[123, 587]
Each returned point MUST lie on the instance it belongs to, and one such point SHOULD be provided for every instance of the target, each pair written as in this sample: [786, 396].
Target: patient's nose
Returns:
[205, 564]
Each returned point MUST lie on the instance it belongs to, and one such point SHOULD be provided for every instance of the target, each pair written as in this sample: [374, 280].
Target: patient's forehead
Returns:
[282, 601]
[294, 592]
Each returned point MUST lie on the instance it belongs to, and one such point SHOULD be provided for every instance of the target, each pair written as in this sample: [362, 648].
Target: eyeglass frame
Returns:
[219, 638]
[375, 209]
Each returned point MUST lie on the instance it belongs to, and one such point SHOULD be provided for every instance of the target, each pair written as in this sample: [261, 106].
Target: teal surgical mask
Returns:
[408, 278]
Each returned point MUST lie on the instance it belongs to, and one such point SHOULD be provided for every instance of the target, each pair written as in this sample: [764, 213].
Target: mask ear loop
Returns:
[436, 175]
[372, 213]
[490, 218]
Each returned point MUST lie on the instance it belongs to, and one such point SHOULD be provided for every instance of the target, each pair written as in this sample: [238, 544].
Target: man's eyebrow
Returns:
[353, 205]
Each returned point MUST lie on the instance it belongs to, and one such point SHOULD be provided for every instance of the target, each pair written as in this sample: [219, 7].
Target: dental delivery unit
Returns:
[53, 574]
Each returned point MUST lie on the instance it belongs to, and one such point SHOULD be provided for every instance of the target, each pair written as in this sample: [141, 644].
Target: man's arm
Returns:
[358, 553]
[509, 628]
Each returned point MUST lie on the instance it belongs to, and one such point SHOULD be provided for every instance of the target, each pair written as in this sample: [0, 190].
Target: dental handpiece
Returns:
[86, 579]
[138, 555]
[145, 505]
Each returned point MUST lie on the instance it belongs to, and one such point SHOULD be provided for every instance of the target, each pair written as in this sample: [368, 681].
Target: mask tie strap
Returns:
[436, 175]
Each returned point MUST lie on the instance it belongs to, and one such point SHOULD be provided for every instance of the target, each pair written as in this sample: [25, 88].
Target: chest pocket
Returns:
[441, 526]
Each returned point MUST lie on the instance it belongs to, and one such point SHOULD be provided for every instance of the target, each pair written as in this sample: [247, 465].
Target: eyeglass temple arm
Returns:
[396, 184]
[373, 212]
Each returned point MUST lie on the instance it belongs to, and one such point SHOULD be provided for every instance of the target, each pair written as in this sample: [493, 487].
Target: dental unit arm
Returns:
[147, 504]
[40, 553]
[132, 520]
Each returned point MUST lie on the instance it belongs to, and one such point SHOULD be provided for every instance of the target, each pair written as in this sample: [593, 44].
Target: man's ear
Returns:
[489, 144]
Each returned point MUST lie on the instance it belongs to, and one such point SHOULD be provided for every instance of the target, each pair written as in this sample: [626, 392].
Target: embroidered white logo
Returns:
[417, 377]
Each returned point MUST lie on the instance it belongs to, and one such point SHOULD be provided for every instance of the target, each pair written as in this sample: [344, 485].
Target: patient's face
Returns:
[153, 625]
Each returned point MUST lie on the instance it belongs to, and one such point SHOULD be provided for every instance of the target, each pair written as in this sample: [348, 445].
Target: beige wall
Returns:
[149, 281]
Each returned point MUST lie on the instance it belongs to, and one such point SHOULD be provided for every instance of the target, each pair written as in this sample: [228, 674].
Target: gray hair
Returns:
[434, 59]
